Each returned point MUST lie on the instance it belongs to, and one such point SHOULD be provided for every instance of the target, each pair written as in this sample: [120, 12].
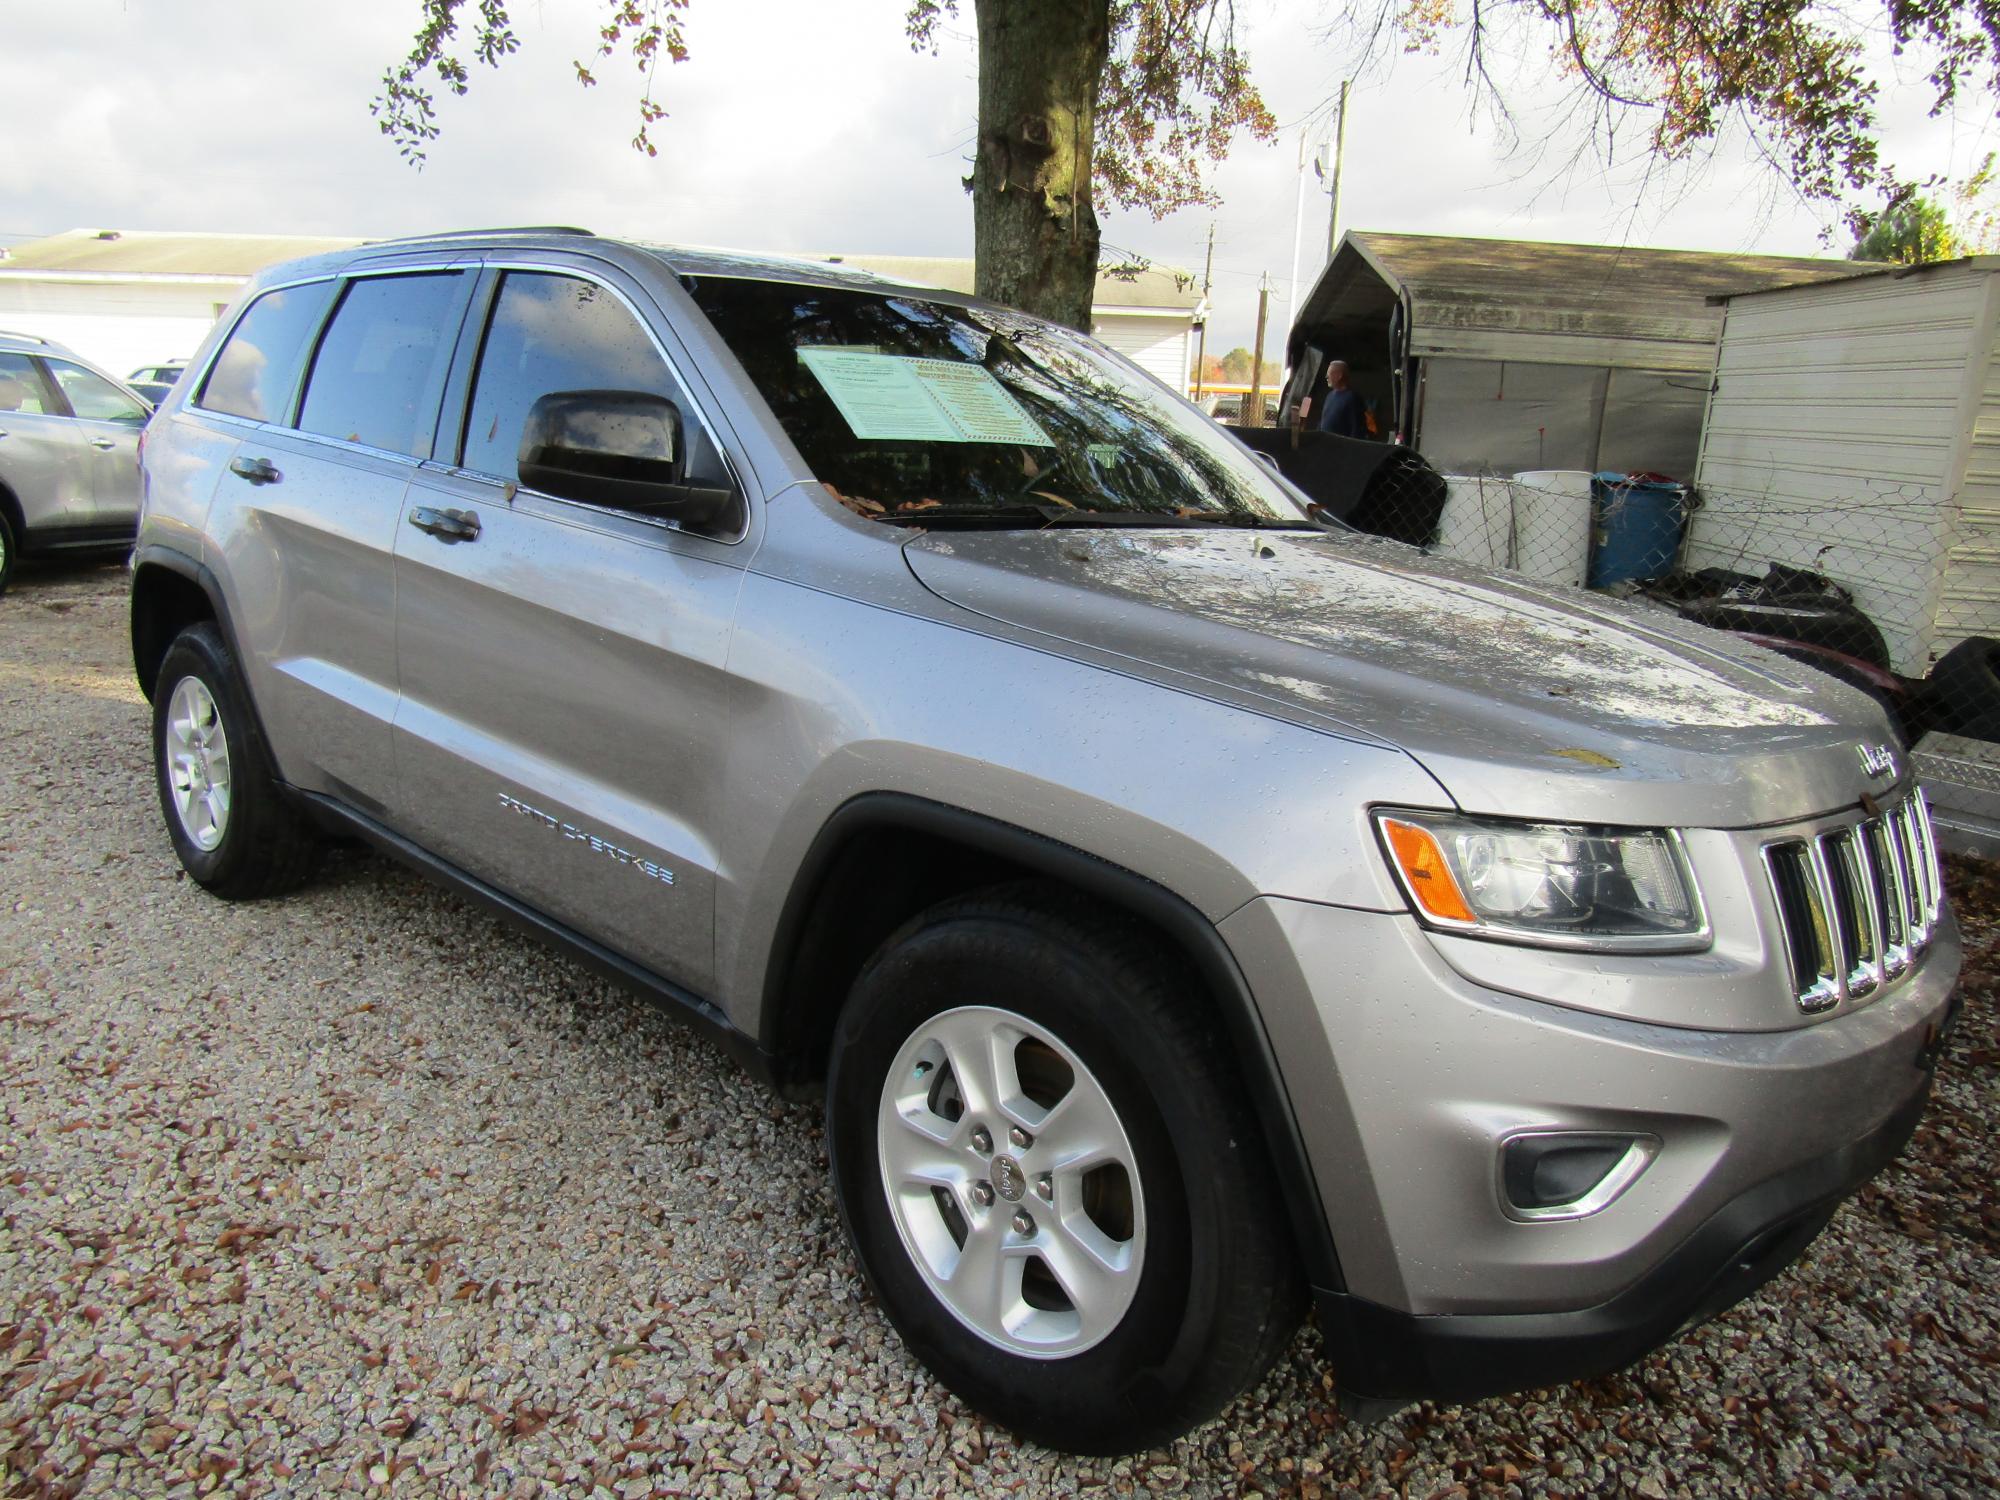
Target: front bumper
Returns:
[1384, 1359]
[1406, 1076]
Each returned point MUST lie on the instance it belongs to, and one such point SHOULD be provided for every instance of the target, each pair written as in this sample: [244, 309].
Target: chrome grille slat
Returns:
[1929, 837]
[1916, 819]
[1802, 916]
[1906, 868]
[1858, 923]
[1889, 898]
[1835, 942]
[1857, 903]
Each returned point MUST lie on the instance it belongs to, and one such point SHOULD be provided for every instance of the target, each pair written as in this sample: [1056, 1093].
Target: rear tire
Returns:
[1147, 1278]
[9, 545]
[231, 825]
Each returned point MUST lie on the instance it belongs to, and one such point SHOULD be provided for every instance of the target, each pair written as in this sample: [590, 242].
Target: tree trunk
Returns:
[1034, 232]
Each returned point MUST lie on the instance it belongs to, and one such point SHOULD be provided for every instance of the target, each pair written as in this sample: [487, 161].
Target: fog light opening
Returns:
[1570, 1174]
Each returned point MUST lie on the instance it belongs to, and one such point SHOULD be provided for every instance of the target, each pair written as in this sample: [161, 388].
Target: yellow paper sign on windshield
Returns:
[894, 398]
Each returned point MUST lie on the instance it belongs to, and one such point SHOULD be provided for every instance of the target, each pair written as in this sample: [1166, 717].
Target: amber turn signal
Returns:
[1425, 871]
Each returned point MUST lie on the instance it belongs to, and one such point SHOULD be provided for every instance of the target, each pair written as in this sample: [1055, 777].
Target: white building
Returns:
[1854, 430]
[1148, 316]
[124, 300]
[129, 298]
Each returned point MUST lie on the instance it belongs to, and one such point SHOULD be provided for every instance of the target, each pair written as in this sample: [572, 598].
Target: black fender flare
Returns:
[159, 554]
[193, 570]
[1236, 1007]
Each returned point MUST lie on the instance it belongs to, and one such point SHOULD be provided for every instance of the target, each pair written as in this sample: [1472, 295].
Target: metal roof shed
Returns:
[1500, 355]
[1855, 430]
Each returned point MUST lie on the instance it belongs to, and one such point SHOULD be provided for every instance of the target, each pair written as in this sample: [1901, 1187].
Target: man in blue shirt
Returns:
[1340, 409]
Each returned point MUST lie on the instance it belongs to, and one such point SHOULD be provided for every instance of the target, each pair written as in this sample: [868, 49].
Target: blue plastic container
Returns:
[1636, 527]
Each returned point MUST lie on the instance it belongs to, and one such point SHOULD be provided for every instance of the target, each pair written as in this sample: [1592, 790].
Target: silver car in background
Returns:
[1183, 906]
[69, 454]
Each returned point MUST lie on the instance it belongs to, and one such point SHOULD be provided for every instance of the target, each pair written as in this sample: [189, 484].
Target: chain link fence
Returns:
[1892, 579]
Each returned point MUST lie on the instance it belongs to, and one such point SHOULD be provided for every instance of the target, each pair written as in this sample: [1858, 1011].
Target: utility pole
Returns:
[1253, 411]
[1201, 334]
[1339, 150]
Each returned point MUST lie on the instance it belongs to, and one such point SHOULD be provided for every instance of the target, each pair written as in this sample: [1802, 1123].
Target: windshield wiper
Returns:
[1023, 514]
[1248, 521]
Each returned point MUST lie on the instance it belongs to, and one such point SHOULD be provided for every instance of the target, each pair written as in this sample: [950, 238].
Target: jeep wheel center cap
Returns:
[1009, 1181]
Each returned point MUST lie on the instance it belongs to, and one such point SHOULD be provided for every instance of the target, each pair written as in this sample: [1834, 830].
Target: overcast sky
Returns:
[797, 125]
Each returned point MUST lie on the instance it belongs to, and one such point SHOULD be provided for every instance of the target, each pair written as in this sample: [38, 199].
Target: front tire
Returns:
[9, 545]
[231, 825]
[1049, 1174]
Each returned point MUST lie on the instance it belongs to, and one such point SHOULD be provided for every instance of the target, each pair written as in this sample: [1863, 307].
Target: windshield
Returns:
[912, 410]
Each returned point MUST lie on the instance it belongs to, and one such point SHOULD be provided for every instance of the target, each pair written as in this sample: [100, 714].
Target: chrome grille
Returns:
[1857, 903]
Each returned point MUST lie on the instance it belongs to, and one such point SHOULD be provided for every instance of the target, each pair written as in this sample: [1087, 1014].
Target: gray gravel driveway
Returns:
[360, 1192]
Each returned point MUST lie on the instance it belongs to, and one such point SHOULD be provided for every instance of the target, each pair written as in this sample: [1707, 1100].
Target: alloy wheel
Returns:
[1012, 1182]
[197, 754]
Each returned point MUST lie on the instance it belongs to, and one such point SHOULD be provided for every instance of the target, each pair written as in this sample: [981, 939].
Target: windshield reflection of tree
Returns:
[1150, 467]
[1148, 455]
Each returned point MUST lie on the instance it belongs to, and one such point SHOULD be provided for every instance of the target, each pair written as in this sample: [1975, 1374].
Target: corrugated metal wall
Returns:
[1835, 439]
[1500, 417]
[1969, 591]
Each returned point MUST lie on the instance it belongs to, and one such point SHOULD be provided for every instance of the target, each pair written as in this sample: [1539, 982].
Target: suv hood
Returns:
[1519, 699]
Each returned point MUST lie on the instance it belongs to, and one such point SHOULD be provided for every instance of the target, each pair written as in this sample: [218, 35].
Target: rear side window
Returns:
[561, 333]
[254, 374]
[381, 363]
[93, 397]
[21, 386]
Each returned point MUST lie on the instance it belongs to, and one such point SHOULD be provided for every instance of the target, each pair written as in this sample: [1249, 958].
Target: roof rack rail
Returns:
[28, 338]
[474, 234]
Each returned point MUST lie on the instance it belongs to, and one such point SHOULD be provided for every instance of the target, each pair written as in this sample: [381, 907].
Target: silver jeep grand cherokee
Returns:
[1184, 906]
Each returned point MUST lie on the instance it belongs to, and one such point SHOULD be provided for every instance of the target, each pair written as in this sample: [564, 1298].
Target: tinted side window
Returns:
[253, 375]
[93, 396]
[382, 361]
[560, 333]
[21, 386]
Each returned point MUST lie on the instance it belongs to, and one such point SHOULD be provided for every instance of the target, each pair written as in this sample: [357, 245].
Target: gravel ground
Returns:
[358, 1191]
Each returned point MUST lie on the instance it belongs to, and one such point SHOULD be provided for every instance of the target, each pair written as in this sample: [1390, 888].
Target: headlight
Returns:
[1556, 884]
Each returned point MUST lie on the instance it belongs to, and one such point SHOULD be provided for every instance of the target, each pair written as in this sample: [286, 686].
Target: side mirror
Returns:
[618, 448]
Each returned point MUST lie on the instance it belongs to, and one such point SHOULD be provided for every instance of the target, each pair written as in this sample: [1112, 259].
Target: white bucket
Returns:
[1478, 519]
[1552, 525]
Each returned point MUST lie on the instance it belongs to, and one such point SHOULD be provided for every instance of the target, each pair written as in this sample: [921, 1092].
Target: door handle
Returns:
[105, 444]
[256, 470]
[446, 525]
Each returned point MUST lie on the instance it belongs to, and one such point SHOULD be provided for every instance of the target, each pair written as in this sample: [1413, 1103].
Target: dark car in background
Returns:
[154, 381]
